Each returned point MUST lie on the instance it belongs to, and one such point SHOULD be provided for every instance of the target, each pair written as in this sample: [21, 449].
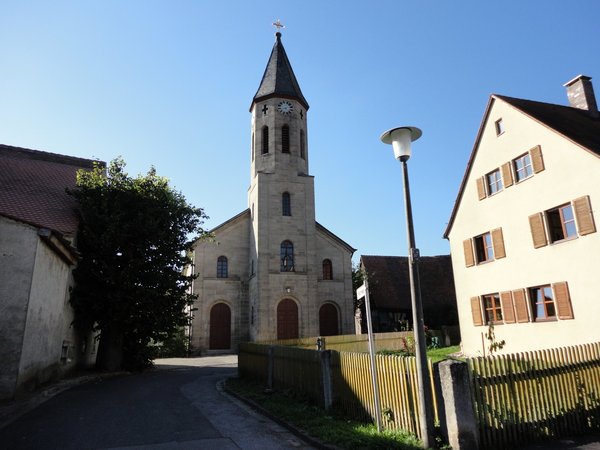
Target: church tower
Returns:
[272, 271]
[282, 207]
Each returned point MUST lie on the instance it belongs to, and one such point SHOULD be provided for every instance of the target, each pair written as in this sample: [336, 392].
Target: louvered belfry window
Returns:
[285, 139]
[265, 140]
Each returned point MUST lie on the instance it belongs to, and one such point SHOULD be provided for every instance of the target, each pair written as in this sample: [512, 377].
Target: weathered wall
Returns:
[49, 318]
[18, 244]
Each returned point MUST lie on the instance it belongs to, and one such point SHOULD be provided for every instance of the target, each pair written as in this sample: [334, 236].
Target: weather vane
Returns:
[278, 25]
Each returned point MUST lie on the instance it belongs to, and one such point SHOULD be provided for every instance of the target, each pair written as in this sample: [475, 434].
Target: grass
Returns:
[435, 354]
[327, 426]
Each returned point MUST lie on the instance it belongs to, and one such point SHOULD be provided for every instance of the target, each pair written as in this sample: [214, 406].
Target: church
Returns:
[272, 271]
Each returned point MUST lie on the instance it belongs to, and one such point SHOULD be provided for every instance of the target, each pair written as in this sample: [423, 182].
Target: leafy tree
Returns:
[134, 240]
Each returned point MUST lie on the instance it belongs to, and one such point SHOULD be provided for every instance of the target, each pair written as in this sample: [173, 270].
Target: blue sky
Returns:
[169, 84]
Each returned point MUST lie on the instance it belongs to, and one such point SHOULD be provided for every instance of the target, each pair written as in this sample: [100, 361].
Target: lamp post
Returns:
[400, 138]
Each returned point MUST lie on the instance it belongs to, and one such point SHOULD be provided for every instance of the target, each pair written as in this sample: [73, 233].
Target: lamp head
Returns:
[400, 138]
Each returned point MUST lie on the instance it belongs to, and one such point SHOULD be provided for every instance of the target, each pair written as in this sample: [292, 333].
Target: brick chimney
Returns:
[581, 94]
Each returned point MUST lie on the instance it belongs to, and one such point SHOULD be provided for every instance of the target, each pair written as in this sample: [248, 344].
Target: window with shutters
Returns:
[302, 144]
[265, 140]
[492, 309]
[522, 167]
[542, 303]
[285, 139]
[486, 247]
[484, 250]
[562, 223]
[493, 182]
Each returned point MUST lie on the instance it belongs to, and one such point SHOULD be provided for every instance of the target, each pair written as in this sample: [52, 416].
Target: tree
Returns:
[134, 239]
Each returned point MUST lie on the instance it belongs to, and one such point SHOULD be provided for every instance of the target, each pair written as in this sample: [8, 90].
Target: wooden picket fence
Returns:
[349, 377]
[529, 396]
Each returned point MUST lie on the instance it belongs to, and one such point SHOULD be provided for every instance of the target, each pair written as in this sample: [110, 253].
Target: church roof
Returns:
[32, 187]
[279, 79]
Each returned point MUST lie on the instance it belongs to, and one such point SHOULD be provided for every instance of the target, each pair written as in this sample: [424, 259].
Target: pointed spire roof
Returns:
[279, 79]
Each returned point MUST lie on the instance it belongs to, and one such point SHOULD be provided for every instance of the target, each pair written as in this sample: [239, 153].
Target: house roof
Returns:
[32, 187]
[389, 285]
[574, 124]
[279, 79]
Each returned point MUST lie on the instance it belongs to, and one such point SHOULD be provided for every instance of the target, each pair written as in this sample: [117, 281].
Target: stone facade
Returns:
[287, 275]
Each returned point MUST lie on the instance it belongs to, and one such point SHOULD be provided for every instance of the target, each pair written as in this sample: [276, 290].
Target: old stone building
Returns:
[272, 271]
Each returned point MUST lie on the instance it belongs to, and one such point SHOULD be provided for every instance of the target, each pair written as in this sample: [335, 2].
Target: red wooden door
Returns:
[220, 327]
[328, 320]
[287, 319]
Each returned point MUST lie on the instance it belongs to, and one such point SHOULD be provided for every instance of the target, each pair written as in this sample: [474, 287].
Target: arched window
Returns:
[222, 267]
[287, 256]
[327, 270]
[252, 146]
[265, 140]
[285, 139]
[286, 204]
[302, 151]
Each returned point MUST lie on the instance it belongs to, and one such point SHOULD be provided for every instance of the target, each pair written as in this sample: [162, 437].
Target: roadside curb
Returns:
[222, 387]
[12, 410]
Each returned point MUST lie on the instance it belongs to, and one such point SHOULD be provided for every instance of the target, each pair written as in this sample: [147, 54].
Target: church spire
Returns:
[279, 79]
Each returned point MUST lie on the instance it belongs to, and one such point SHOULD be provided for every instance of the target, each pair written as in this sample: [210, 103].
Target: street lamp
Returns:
[400, 138]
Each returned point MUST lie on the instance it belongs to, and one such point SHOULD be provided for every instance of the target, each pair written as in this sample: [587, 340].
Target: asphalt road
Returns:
[176, 406]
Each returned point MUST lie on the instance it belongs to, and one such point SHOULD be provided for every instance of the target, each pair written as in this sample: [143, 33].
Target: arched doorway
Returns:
[328, 320]
[220, 327]
[287, 319]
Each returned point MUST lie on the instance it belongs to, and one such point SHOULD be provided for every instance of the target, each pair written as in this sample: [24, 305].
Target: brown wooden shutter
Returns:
[536, 159]
[508, 311]
[521, 311]
[481, 188]
[498, 243]
[468, 249]
[538, 232]
[507, 177]
[563, 301]
[476, 311]
[584, 216]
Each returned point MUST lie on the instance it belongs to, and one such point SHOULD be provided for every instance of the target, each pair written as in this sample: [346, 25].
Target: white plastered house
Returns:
[523, 234]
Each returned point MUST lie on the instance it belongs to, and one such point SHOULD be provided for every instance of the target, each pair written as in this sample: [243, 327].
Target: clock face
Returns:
[285, 108]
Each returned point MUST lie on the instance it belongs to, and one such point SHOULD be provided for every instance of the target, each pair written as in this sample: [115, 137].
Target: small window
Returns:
[542, 303]
[285, 139]
[484, 249]
[494, 182]
[222, 267]
[252, 145]
[499, 127]
[561, 223]
[302, 143]
[265, 140]
[286, 204]
[493, 309]
[327, 270]
[287, 256]
[522, 167]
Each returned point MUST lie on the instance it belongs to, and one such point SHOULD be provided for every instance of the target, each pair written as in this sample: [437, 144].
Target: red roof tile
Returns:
[32, 187]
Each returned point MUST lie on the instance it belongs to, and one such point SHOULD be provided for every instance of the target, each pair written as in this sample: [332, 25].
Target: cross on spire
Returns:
[278, 25]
